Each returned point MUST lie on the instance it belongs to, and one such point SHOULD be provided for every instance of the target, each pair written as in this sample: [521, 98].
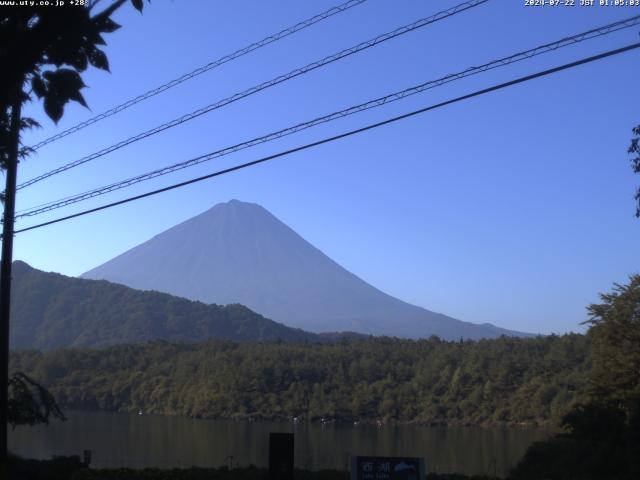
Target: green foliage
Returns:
[507, 380]
[601, 438]
[615, 334]
[50, 311]
[599, 444]
[44, 51]
[30, 403]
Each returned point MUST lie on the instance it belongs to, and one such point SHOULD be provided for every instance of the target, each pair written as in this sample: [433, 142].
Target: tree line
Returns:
[487, 382]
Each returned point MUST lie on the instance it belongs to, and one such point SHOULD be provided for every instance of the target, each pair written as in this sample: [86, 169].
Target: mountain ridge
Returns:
[238, 252]
[50, 310]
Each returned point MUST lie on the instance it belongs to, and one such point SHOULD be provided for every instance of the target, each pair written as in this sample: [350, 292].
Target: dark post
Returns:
[5, 275]
[86, 457]
[281, 456]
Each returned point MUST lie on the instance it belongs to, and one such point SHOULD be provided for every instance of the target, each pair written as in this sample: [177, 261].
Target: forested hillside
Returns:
[486, 382]
[50, 310]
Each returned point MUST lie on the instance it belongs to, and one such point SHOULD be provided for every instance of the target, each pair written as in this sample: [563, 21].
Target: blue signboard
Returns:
[387, 468]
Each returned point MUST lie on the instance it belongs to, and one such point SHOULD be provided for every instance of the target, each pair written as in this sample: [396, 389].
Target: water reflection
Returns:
[148, 440]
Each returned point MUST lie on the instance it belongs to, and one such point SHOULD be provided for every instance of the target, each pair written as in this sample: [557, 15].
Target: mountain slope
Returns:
[50, 310]
[238, 252]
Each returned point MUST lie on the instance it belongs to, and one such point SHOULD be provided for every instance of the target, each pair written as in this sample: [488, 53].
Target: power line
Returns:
[343, 135]
[205, 68]
[255, 89]
[566, 41]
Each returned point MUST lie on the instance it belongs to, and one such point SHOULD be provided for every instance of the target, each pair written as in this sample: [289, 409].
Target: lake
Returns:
[128, 440]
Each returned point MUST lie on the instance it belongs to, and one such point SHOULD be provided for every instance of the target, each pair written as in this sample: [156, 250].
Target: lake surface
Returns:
[127, 440]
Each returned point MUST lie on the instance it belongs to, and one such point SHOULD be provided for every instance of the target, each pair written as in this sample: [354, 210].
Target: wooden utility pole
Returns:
[5, 273]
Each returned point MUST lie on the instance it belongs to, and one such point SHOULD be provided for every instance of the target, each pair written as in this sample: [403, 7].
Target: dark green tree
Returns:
[615, 336]
[43, 51]
[601, 437]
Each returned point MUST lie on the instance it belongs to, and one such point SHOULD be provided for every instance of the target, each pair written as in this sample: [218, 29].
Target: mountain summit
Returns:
[238, 252]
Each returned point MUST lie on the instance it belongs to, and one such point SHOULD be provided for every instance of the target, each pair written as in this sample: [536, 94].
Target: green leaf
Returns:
[99, 40]
[79, 61]
[38, 86]
[137, 4]
[65, 80]
[77, 97]
[65, 84]
[98, 59]
[106, 25]
[53, 107]
[29, 123]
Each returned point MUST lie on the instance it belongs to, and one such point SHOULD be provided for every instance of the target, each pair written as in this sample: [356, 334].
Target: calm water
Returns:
[149, 440]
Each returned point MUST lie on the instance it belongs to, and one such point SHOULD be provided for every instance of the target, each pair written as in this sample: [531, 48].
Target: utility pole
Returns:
[5, 274]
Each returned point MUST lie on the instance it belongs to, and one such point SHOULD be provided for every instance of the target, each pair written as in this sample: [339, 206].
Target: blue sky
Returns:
[514, 208]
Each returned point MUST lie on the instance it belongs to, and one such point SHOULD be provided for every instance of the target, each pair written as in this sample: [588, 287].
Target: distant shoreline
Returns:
[548, 426]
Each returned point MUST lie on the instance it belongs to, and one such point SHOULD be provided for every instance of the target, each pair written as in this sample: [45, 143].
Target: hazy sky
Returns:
[514, 208]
